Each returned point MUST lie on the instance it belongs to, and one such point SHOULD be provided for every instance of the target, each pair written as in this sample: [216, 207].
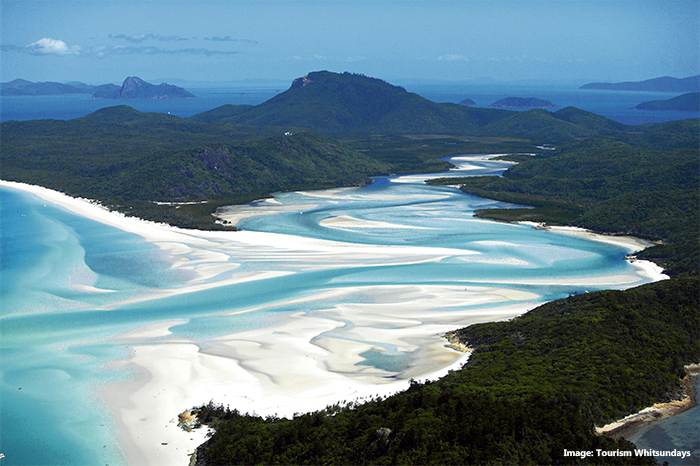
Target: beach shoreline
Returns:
[172, 374]
[632, 243]
[630, 425]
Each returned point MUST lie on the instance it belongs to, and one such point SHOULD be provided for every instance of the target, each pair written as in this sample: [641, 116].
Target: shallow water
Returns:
[71, 286]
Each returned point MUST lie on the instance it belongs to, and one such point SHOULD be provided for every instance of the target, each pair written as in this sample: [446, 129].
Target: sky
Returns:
[103, 41]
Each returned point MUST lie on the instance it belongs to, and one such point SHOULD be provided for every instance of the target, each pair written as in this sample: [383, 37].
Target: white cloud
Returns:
[453, 57]
[138, 38]
[48, 46]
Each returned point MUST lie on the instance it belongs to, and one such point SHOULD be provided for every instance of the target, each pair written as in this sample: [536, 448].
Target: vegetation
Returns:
[533, 387]
[128, 160]
[341, 104]
[664, 84]
[687, 102]
[422, 153]
[641, 185]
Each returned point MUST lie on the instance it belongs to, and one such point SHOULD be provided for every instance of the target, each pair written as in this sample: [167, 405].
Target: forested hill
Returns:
[530, 390]
[333, 103]
[663, 84]
[129, 160]
[342, 103]
[642, 184]
[689, 102]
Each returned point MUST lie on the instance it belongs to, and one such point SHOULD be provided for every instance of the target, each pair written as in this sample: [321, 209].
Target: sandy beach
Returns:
[629, 425]
[302, 361]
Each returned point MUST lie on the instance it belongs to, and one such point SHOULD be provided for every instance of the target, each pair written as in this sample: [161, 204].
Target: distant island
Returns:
[132, 88]
[467, 102]
[523, 102]
[24, 87]
[136, 88]
[664, 84]
[683, 103]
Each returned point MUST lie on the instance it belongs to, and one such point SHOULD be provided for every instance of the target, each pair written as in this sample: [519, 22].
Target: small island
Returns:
[523, 102]
[136, 88]
[467, 102]
[22, 87]
[132, 88]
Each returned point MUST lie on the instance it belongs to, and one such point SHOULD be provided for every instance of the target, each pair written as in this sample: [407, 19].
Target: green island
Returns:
[534, 386]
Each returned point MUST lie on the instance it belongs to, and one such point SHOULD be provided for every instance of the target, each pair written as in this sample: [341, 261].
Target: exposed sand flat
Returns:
[214, 256]
[353, 194]
[629, 242]
[346, 221]
[340, 348]
[235, 214]
[646, 269]
[299, 363]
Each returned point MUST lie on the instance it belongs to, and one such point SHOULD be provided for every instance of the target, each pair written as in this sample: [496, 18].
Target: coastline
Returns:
[174, 374]
[630, 425]
[633, 244]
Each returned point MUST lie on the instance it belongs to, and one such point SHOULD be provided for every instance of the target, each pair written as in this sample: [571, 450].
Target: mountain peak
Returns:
[136, 88]
[133, 82]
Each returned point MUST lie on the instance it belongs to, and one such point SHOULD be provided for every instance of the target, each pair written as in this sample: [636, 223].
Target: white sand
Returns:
[346, 221]
[645, 269]
[302, 361]
[298, 364]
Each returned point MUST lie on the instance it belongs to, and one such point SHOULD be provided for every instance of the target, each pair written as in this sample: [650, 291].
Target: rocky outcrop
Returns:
[301, 82]
[136, 88]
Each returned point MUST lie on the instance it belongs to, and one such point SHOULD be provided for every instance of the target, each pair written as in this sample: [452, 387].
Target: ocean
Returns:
[617, 105]
[72, 287]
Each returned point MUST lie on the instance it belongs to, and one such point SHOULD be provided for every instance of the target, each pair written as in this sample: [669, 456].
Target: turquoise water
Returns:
[70, 285]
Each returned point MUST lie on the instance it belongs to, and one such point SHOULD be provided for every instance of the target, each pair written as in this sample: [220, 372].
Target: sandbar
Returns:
[300, 361]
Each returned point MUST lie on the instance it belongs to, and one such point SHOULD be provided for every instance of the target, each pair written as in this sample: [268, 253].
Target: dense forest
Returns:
[534, 386]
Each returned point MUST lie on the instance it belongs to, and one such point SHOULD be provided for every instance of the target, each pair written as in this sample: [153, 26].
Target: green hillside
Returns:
[687, 102]
[129, 160]
[643, 185]
[333, 103]
[530, 390]
[344, 103]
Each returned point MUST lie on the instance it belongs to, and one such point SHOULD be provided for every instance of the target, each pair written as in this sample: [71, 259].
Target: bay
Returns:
[381, 270]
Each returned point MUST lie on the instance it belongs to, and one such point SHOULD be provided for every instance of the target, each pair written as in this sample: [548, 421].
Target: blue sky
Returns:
[99, 41]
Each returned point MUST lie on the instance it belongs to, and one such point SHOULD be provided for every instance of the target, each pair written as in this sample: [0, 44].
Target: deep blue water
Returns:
[617, 105]
[66, 107]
